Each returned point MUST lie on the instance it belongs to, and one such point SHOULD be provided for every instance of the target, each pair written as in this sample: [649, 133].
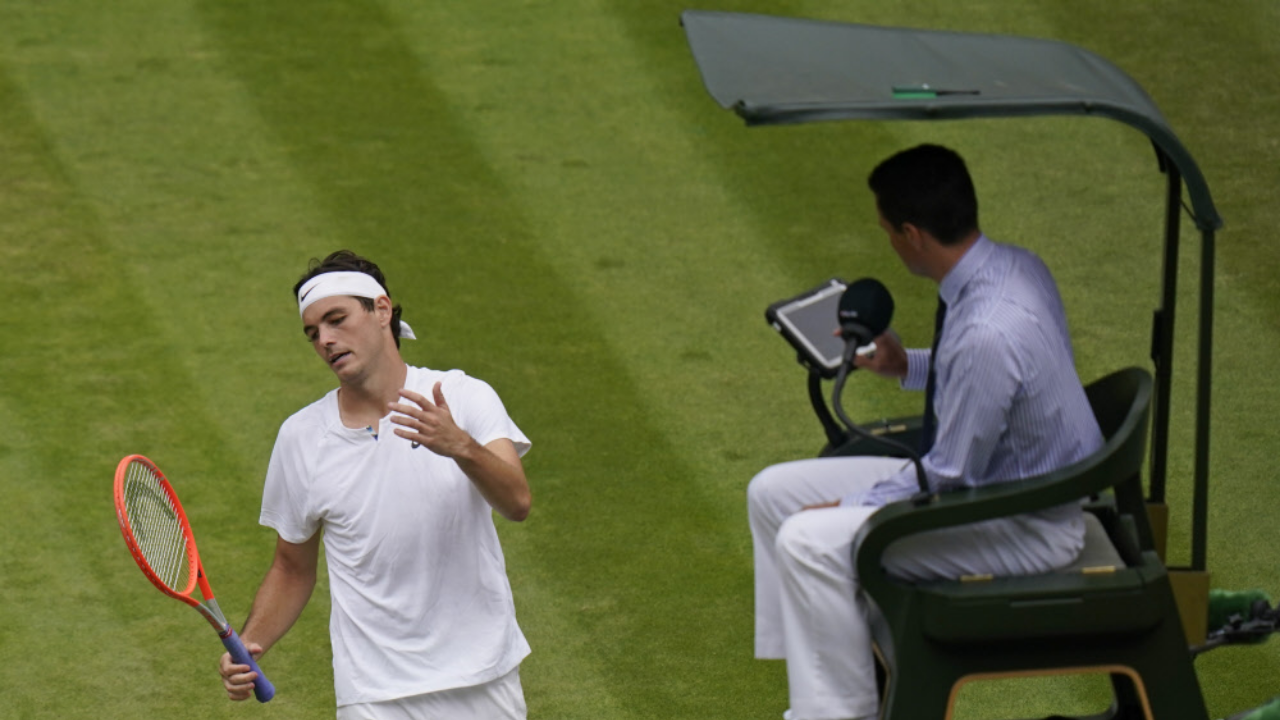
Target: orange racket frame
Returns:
[195, 576]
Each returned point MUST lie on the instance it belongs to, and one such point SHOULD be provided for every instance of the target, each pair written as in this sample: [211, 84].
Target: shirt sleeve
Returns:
[917, 369]
[980, 381]
[482, 413]
[284, 497]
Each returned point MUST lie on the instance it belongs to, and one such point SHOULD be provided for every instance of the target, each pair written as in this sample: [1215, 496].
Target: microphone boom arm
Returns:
[924, 495]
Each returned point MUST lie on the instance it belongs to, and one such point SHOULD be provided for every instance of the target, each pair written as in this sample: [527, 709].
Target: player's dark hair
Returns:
[929, 187]
[347, 261]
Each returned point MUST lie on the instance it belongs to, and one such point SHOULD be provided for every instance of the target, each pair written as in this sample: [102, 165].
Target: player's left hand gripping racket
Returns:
[159, 537]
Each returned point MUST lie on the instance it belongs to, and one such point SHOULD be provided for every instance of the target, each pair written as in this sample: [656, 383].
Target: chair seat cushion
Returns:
[1097, 594]
[1098, 551]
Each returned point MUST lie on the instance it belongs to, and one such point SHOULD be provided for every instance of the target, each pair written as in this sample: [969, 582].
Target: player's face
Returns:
[345, 335]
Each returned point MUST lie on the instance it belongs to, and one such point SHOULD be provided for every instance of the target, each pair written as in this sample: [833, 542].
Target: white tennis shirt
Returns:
[419, 587]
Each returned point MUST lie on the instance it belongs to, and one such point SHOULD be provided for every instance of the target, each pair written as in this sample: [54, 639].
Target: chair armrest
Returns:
[1117, 462]
[960, 507]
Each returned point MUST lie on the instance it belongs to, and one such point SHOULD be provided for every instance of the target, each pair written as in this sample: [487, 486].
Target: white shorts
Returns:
[501, 699]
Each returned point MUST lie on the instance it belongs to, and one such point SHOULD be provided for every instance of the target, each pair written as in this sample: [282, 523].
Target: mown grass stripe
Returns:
[164, 260]
[73, 397]
[591, 159]
[404, 181]
[667, 300]
[1207, 90]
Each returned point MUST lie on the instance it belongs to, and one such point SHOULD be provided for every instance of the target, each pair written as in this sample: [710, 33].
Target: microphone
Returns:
[865, 310]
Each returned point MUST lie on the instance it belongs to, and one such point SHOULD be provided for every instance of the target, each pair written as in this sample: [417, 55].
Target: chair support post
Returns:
[1204, 374]
[1162, 335]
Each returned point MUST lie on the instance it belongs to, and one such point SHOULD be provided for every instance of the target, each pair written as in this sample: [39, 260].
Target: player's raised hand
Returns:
[430, 424]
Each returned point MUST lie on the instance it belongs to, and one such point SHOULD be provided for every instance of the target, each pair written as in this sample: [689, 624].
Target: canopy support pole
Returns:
[1162, 334]
[1200, 503]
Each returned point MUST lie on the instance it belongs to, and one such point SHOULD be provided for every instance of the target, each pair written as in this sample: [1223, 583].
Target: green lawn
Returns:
[564, 212]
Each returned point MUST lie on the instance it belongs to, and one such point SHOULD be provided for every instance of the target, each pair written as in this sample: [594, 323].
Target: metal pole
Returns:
[1162, 336]
[1200, 503]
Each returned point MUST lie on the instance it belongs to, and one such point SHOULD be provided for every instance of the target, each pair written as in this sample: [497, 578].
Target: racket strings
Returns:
[156, 527]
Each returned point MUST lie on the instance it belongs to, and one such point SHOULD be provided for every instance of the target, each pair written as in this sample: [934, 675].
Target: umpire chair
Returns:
[1111, 612]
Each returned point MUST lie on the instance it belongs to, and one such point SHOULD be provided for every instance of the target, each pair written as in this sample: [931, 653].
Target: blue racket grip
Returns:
[262, 687]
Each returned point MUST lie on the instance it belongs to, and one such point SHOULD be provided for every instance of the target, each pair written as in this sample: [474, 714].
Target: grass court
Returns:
[564, 212]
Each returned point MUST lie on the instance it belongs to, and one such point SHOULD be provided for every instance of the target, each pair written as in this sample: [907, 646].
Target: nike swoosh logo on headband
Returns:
[308, 292]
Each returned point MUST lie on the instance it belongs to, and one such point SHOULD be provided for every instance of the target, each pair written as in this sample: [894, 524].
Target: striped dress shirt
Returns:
[1008, 400]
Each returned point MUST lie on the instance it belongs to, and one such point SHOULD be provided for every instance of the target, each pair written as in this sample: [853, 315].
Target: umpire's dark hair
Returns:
[347, 261]
[929, 187]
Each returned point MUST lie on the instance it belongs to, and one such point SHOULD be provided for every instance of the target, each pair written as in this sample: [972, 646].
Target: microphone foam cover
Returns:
[867, 302]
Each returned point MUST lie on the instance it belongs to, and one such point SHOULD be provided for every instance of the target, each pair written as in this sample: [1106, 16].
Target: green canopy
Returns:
[773, 70]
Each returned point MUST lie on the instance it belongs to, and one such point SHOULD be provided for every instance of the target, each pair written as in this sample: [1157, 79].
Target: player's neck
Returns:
[363, 402]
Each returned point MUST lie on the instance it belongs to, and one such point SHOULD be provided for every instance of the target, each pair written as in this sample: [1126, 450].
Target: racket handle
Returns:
[262, 687]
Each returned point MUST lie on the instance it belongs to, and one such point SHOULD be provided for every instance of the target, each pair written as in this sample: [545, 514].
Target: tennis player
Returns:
[399, 471]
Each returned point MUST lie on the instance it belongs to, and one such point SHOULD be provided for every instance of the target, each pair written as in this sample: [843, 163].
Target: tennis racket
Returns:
[159, 537]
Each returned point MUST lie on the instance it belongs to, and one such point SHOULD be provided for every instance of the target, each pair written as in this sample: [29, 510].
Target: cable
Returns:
[925, 495]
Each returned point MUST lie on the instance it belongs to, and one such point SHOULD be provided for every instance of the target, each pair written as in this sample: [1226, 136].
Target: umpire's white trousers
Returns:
[808, 611]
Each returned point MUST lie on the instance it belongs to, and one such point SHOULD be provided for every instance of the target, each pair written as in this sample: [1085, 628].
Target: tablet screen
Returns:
[809, 322]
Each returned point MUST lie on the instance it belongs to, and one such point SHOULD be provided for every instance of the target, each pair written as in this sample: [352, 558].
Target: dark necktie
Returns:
[929, 426]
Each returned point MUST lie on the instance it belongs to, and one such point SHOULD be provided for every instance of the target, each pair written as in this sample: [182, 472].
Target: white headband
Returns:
[356, 284]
